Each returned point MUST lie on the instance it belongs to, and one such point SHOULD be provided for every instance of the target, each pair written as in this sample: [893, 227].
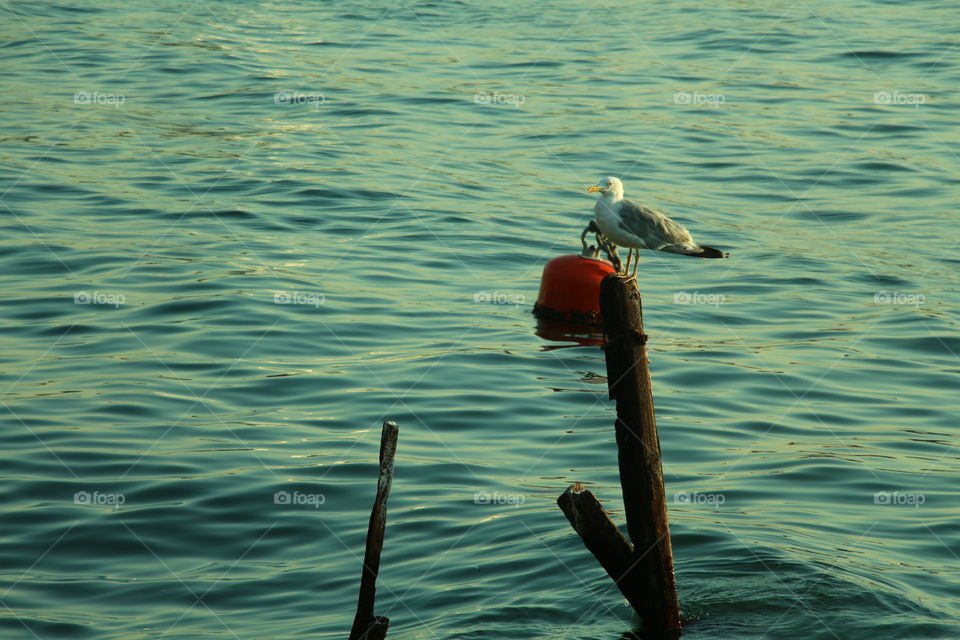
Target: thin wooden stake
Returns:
[641, 473]
[367, 626]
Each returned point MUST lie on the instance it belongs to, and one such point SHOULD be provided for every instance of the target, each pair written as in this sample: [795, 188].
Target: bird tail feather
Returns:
[697, 252]
[710, 252]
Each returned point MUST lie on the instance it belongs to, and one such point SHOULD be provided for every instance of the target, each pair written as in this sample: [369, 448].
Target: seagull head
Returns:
[608, 187]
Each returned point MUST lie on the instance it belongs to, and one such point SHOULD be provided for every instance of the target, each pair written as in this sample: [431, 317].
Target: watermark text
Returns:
[299, 499]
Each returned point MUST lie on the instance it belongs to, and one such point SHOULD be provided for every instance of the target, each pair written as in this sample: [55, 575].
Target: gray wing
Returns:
[656, 229]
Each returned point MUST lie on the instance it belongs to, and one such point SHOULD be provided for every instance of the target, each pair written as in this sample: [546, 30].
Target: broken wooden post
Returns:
[643, 568]
[601, 536]
[641, 472]
[366, 625]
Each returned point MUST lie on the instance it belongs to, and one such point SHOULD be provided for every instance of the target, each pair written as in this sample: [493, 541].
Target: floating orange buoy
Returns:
[570, 289]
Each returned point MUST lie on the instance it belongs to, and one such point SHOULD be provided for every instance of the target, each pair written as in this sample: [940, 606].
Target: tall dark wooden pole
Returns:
[366, 625]
[641, 474]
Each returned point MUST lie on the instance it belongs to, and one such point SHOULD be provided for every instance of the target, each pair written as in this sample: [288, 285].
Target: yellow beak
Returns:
[593, 188]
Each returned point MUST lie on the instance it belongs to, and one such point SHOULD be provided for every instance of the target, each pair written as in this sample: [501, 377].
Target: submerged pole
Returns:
[366, 625]
[651, 571]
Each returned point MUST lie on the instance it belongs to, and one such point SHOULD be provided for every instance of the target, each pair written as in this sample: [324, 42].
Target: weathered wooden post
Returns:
[602, 537]
[366, 625]
[641, 472]
[642, 568]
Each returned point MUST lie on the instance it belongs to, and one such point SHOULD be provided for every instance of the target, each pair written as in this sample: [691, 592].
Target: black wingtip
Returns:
[710, 252]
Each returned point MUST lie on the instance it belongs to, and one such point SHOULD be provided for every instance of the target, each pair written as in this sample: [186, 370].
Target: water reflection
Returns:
[575, 334]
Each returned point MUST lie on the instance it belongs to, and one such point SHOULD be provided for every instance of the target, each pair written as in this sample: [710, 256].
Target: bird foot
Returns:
[625, 278]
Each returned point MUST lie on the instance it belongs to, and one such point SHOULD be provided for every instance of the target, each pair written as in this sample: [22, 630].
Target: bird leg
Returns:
[625, 276]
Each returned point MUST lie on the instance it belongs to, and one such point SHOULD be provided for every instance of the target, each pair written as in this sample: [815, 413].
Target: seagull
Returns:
[636, 226]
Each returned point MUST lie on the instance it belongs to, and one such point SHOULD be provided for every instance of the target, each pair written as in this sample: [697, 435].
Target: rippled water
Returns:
[237, 236]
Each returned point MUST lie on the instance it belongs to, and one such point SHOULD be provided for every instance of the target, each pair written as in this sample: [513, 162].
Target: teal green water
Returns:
[237, 236]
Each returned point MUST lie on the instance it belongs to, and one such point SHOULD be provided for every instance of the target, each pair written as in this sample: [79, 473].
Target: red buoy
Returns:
[570, 289]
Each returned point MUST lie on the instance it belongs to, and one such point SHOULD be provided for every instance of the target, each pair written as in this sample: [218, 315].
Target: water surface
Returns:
[237, 236]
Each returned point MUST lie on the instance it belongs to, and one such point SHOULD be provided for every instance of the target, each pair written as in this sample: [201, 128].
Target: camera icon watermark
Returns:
[899, 298]
[498, 297]
[899, 98]
[299, 297]
[98, 499]
[699, 99]
[98, 98]
[714, 500]
[299, 499]
[99, 297]
[696, 297]
[497, 98]
[899, 499]
[497, 498]
[300, 98]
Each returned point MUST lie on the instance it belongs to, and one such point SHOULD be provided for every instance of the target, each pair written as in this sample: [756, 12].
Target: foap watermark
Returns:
[498, 297]
[99, 297]
[899, 499]
[299, 297]
[899, 98]
[497, 98]
[899, 298]
[299, 98]
[299, 499]
[699, 99]
[695, 297]
[714, 500]
[485, 497]
[98, 499]
[99, 98]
